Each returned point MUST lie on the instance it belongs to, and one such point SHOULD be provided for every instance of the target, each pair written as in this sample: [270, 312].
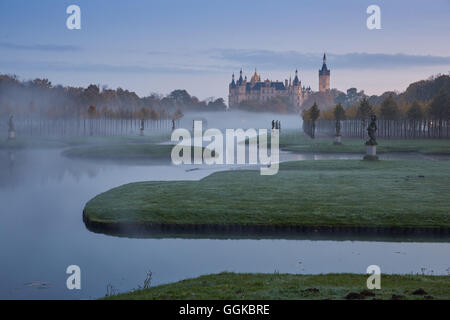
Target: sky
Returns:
[158, 46]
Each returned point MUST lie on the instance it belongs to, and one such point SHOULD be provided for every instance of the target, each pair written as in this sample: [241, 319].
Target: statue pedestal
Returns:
[371, 153]
[142, 132]
[11, 135]
[338, 140]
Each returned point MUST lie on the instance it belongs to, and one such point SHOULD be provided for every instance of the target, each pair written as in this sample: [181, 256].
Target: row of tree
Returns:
[40, 98]
[417, 120]
[280, 105]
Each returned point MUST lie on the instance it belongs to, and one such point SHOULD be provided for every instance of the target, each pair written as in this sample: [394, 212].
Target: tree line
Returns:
[430, 119]
[39, 107]
[41, 97]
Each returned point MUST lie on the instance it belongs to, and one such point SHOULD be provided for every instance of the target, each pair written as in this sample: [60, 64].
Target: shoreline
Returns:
[288, 286]
[148, 229]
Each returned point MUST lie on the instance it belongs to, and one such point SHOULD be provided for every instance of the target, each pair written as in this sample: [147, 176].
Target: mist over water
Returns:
[42, 195]
[241, 119]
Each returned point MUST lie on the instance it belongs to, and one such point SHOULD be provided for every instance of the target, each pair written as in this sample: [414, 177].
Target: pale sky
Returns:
[162, 45]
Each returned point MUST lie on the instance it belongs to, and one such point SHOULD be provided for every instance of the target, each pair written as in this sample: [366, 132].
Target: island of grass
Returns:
[35, 142]
[125, 152]
[238, 286]
[296, 141]
[385, 197]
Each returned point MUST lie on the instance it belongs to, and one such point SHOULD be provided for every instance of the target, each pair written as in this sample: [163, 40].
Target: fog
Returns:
[42, 196]
[234, 119]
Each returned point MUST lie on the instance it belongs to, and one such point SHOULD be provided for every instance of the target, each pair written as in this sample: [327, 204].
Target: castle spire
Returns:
[296, 80]
[240, 78]
[324, 76]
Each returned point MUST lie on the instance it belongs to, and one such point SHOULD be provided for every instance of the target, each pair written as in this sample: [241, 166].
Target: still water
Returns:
[42, 195]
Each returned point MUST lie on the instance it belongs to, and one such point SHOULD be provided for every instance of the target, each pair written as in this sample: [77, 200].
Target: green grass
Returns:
[238, 286]
[136, 151]
[297, 141]
[304, 193]
[64, 142]
[121, 152]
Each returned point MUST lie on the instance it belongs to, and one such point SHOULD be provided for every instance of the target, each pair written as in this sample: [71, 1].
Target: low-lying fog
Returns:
[42, 195]
[241, 119]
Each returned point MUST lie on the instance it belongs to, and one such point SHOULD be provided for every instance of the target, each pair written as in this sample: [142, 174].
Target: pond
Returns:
[42, 195]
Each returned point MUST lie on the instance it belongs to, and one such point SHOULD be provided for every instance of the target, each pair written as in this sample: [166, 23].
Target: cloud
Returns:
[293, 59]
[99, 67]
[39, 47]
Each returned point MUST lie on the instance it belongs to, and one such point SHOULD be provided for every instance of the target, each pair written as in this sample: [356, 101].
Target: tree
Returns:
[154, 115]
[92, 111]
[217, 105]
[145, 113]
[415, 112]
[365, 109]
[181, 97]
[440, 108]
[339, 112]
[314, 114]
[177, 115]
[389, 109]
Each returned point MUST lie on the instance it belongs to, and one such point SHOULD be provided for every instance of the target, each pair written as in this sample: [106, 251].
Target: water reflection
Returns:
[41, 232]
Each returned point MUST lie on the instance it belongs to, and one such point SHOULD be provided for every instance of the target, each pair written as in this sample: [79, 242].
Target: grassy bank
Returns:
[125, 152]
[65, 142]
[387, 194]
[237, 286]
[297, 141]
[121, 152]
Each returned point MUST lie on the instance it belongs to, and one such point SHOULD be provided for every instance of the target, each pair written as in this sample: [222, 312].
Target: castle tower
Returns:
[255, 78]
[324, 76]
[295, 91]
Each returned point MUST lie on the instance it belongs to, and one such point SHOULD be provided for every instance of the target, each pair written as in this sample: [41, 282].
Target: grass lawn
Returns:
[135, 151]
[64, 142]
[297, 141]
[348, 193]
[239, 286]
[121, 152]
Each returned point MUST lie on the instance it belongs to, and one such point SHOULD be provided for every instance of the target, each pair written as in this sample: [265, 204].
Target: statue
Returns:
[371, 144]
[338, 128]
[338, 137]
[142, 127]
[277, 124]
[371, 131]
[173, 124]
[273, 124]
[11, 131]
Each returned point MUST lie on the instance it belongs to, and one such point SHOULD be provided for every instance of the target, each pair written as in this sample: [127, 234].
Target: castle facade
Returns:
[262, 91]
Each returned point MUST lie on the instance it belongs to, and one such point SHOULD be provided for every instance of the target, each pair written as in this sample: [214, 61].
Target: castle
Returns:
[263, 91]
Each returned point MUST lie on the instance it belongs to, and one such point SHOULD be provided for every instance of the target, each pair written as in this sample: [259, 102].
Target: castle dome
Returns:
[255, 78]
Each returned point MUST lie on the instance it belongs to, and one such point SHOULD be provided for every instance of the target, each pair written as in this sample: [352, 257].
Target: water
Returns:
[41, 233]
